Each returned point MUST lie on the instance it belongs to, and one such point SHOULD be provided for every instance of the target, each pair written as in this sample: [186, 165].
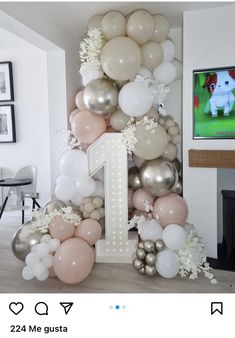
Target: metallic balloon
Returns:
[142, 271]
[150, 259]
[178, 188]
[141, 244]
[160, 245]
[134, 178]
[140, 254]
[176, 164]
[158, 176]
[150, 270]
[52, 205]
[138, 264]
[22, 246]
[149, 245]
[101, 96]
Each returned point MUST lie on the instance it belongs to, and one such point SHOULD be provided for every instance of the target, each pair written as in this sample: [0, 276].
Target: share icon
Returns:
[66, 306]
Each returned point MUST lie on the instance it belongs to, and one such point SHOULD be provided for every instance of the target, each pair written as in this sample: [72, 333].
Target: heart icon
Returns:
[16, 308]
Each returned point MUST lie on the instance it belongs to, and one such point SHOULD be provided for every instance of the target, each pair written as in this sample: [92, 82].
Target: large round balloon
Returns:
[161, 28]
[140, 198]
[60, 229]
[90, 230]
[65, 189]
[74, 164]
[22, 244]
[167, 263]
[118, 120]
[73, 260]
[149, 145]
[174, 236]
[135, 99]
[158, 176]
[100, 96]
[113, 24]
[87, 127]
[165, 72]
[121, 58]
[140, 26]
[170, 209]
[152, 54]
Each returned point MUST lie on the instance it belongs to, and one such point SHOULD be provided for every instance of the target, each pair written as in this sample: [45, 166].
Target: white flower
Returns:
[90, 72]
[136, 221]
[128, 137]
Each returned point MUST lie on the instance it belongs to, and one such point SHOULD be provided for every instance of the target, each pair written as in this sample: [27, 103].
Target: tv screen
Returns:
[214, 103]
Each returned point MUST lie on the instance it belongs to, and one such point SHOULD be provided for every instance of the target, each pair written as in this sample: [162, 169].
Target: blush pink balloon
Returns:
[79, 100]
[89, 230]
[87, 127]
[60, 229]
[140, 197]
[170, 209]
[73, 260]
[72, 114]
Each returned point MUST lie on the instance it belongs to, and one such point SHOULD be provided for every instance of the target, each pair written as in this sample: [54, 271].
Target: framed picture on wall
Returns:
[214, 103]
[7, 124]
[6, 82]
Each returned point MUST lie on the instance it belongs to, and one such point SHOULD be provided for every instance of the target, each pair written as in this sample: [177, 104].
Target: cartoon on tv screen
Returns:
[214, 108]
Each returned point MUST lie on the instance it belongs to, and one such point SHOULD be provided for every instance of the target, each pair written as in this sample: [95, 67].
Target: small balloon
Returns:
[140, 198]
[150, 230]
[150, 259]
[140, 254]
[168, 47]
[118, 120]
[138, 264]
[113, 24]
[95, 21]
[60, 229]
[167, 263]
[152, 54]
[174, 236]
[140, 26]
[89, 230]
[133, 178]
[150, 270]
[159, 245]
[161, 28]
[149, 245]
[170, 151]
[165, 73]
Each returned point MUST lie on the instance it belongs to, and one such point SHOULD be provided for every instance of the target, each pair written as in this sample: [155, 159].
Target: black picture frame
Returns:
[209, 126]
[6, 82]
[7, 124]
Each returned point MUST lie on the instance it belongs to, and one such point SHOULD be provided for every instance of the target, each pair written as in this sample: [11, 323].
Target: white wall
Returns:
[32, 145]
[208, 43]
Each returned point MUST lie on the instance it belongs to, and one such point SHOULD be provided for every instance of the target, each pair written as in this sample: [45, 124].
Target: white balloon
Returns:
[135, 99]
[43, 276]
[99, 191]
[27, 273]
[86, 186]
[150, 229]
[145, 72]
[168, 47]
[174, 236]
[167, 263]
[137, 160]
[31, 259]
[34, 248]
[77, 199]
[74, 164]
[45, 238]
[54, 244]
[178, 68]
[39, 269]
[48, 261]
[43, 249]
[165, 73]
[65, 190]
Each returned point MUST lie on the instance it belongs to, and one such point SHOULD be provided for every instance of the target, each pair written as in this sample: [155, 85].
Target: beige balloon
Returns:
[170, 151]
[95, 21]
[161, 28]
[151, 114]
[121, 58]
[150, 145]
[113, 24]
[152, 54]
[118, 120]
[140, 26]
[137, 160]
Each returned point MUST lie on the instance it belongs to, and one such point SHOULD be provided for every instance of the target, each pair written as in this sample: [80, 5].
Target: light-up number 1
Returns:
[109, 152]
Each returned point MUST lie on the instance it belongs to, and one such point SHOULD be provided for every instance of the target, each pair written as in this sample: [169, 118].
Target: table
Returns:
[13, 182]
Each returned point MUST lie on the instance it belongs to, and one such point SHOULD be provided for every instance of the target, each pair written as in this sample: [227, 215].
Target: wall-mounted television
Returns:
[214, 103]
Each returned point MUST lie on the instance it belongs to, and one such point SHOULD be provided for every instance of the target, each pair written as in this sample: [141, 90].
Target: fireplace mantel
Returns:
[211, 158]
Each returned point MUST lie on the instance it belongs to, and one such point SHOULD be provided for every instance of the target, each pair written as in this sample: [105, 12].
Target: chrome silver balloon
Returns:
[158, 176]
[138, 264]
[159, 245]
[101, 96]
[149, 245]
[150, 270]
[176, 164]
[134, 178]
[140, 254]
[178, 188]
[52, 205]
[142, 271]
[141, 244]
[150, 259]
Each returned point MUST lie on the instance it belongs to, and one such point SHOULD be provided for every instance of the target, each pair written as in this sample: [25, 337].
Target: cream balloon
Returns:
[170, 151]
[121, 58]
[113, 24]
[161, 28]
[152, 54]
[118, 120]
[135, 99]
[137, 160]
[165, 73]
[95, 21]
[140, 26]
[168, 48]
[150, 145]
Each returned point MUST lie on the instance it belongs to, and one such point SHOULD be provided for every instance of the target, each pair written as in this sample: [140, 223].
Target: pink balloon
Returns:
[79, 100]
[87, 127]
[60, 229]
[140, 197]
[72, 114]
[73, 260]
[89, 230]
[171, 208]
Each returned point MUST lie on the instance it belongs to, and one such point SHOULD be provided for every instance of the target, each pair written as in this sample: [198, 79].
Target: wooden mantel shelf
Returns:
[211, 158]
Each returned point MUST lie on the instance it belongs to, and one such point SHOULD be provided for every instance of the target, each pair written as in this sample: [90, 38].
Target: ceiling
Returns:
[72, 17]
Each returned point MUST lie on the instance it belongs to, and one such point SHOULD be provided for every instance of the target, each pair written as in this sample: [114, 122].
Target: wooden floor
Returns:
[105, 278]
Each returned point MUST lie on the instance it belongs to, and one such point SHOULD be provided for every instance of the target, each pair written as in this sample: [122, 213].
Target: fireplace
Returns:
[228, 221]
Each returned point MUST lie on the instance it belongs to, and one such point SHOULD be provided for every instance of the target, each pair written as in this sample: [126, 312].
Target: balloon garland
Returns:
[127, 64]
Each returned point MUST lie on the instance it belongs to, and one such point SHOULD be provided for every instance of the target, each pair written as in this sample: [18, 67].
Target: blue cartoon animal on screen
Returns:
[220, 85]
